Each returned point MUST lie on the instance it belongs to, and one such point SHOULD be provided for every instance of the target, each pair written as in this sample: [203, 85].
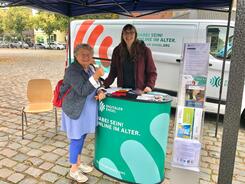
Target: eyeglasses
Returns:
[128, 32]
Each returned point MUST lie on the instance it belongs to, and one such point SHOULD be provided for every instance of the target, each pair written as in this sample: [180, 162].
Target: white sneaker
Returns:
[78, 176]
[85, 168]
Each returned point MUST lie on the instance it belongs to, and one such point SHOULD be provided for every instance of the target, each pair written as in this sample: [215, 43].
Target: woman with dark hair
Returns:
[132, 63]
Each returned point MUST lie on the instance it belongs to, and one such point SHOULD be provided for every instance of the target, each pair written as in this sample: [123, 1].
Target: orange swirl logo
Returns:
[93, 37]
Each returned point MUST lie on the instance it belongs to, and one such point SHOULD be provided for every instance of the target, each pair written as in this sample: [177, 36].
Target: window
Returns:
[216, 37]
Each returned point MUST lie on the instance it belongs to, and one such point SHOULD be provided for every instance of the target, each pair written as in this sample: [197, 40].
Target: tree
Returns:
[17, 20]
[47, 22]
[63, 22]
[2, 14]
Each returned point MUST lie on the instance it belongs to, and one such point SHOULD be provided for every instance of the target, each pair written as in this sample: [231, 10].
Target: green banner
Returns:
[131, 139]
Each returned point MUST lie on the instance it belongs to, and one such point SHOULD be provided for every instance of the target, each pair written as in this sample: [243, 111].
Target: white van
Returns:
[165, 38]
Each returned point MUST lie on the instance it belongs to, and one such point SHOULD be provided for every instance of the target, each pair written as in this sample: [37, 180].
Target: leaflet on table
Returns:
[186, 154]
[115, 89]
[189, 122]
[154, 96]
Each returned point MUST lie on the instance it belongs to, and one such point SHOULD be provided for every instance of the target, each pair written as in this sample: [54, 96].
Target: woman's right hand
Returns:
[98, 73]
[100, 95]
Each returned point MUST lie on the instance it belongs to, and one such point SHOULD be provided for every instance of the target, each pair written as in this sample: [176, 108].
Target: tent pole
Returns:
[233, 107]
[223, 68]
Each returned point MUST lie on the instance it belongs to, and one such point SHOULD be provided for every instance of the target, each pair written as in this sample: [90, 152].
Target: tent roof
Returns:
[125, 7]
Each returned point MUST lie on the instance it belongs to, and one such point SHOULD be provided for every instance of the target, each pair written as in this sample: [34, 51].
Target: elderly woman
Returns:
[79, 108]
[132, 63]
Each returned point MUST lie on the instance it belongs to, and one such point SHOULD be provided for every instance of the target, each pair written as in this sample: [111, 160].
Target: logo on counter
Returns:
[109, 108]
[102, 107]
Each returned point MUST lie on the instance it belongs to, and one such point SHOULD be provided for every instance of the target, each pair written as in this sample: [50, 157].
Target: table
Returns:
[131, 139]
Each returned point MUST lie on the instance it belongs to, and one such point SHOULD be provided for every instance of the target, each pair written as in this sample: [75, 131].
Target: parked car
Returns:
[19, 44]
[4, 44]
[40, 46]
[58, 46]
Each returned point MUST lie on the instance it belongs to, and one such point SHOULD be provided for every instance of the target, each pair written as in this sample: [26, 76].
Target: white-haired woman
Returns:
[79, 107]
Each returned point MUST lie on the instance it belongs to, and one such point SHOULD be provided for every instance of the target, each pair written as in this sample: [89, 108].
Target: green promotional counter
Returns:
[131, 139]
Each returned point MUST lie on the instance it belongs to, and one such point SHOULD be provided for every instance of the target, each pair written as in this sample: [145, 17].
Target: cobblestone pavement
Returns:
[42, 156]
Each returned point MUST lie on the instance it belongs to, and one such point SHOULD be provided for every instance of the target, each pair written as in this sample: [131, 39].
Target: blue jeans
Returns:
[75, 148]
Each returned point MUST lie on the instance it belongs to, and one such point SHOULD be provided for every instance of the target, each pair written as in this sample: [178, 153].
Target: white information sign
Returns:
[195, 59]
[186, 153]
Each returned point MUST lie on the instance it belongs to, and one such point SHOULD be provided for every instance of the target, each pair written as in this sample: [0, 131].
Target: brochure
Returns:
[194, 96]
[185, 123]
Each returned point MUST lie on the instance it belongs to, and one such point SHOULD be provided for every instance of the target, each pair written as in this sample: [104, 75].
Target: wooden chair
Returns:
[39, 95]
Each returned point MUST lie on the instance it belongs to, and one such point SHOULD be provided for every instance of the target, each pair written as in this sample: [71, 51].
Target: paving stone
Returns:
[96, 173]
[4, 139]
[63, 181]
[24, 142]
[60, 138]
[241, 178]
[205, 176]
[90, 147]
[34, 145]
[29, 180]
[86, 159]
[34, 172]
[86, 151]
[49, 134]
[48, 148]
[8, 152]
[3, 134]
[29, 136]
[60, 152]
[2, 182]
[35, 153]
[3, 144]
[4, 173]
[59, 144]
[109, 178]
[40, 139]
[24, 149]
[32, 130]
[237, 182]
[51, 157]
[50, 177]
[214, 178]
[104, 181]
[92, 180]
[33, 161]
[63, 162]
[46, 165]
[16, 177]
[60, 170]
[14, 146]
[7, 162]
[20, 157]
[20, 167]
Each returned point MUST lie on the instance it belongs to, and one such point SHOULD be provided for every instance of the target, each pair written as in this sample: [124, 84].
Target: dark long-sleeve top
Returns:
[145, 69]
